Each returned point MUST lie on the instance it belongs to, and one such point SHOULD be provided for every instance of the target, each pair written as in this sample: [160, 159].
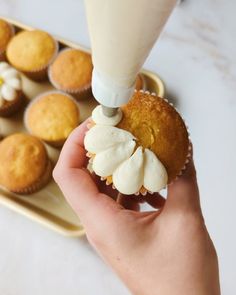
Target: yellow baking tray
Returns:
[48, 206]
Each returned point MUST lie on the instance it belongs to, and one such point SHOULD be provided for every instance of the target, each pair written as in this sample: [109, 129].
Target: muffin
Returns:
[51, 117]
[31, 52]
[25, 167]
[11, 95]
[6, 33]
[144, 150]
[71, 72]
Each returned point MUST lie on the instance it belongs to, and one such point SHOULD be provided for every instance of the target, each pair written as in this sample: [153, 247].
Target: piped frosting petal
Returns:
[100, 138]
[9, 74]
[15, 83]
[106, 162]
[155, 174]
[128, 177]
[3, 67]
[8, 93]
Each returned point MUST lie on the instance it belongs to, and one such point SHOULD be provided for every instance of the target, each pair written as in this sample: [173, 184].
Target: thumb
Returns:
[183, 193]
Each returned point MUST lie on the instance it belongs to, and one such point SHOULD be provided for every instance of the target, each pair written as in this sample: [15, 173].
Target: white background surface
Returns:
[196, 57]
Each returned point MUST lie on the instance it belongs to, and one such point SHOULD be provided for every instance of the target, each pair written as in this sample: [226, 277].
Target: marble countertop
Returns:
[196, 57]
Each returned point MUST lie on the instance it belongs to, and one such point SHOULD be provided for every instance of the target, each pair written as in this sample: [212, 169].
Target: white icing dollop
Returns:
[114, 156]
[100, 119]
[128, 177]
[102, 164]
[10, 82]
[100, 138]
[155, 174]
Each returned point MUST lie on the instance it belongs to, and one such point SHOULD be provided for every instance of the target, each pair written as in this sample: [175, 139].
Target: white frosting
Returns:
[128, 177]
[10, 82]
[100, 138]
[155, 174]
[102, 164]
[100, 119]
[115, 156]
[3, 66]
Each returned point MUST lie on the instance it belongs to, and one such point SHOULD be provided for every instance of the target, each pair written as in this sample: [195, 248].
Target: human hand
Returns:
[168, 251]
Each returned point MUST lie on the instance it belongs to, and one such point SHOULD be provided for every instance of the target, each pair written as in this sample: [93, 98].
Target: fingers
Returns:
[132, 202]
[77, 184]
[155, 200]
[73, 154]
[128, 202]
[183, 193]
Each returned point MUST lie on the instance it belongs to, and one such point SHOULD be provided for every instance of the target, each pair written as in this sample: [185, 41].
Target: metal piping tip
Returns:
[109, 112]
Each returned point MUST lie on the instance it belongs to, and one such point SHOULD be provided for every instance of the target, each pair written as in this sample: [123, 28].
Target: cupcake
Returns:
[25, 167]
[6, 33]
[71, 72]
[142, 149]
[52, 116]
[11, 95]
[140, 83]
[31, 52]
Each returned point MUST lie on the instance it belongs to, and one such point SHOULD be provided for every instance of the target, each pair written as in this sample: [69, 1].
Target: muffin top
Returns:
[31, 50]
[157, 126]
[52, 116]
[6, 32]
[71, 70]
[23, 161]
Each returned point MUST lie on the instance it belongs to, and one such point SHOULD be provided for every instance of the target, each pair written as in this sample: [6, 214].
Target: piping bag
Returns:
[122, 33]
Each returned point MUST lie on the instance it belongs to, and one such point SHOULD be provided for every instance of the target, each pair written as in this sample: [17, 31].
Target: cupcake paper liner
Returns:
[54, 143]
[78, 93]
[12, 107]
[143, 191]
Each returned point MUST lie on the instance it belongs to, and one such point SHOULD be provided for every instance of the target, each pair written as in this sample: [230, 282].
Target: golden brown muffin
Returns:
[31, 52]
[25, 166]
[6, 33]
[158, 127]
[71, 71]
[52, 116]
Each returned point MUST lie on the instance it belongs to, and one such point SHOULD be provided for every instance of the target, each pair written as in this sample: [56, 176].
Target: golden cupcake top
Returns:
[31, 50]
[6, 32]
[71, 70]
[23, 161]
[158, 127]
[52, 116]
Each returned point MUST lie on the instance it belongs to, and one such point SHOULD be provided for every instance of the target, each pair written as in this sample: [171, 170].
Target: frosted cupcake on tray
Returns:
[11, 95]
[142, 149]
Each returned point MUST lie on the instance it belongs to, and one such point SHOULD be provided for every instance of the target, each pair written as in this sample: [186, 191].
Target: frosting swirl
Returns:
[10, 83]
